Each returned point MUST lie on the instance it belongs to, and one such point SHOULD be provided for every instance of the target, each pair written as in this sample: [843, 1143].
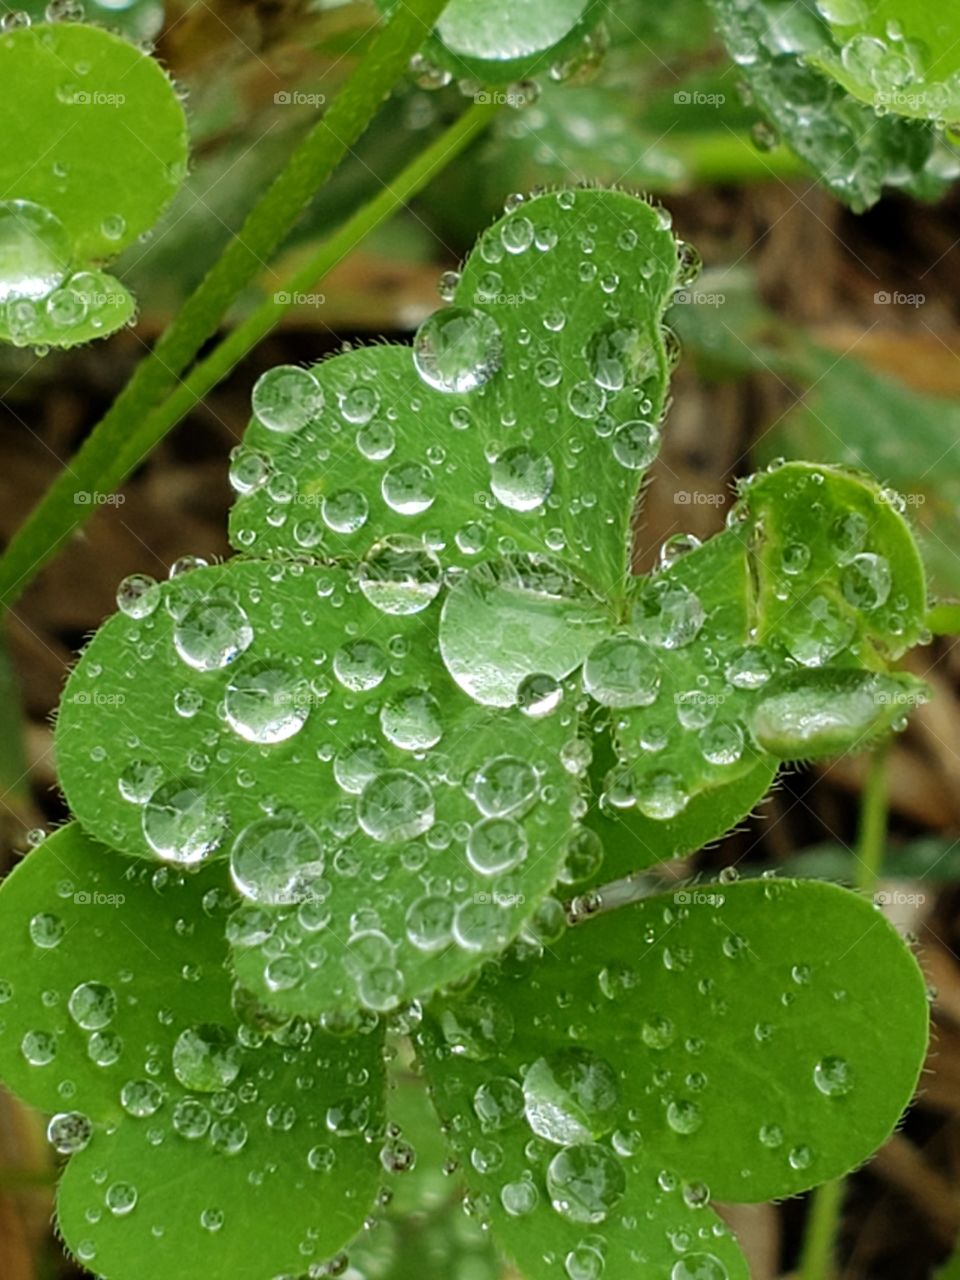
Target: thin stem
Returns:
[817, 1261]
[258, 324]
[265, 228]
[874, 804]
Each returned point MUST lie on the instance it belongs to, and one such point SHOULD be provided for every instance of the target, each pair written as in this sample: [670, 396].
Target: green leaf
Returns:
[768, 642]
[913, 73]
[87, 305]
[555, 330]
[839, 575]
[854, 152]
[741, 1042]
[111, 972]
[384, 831]
[108, 125]
[497, 42]
[96, 147]
[137, 19]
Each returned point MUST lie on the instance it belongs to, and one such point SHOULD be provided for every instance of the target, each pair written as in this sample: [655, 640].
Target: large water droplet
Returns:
[585, 1182]
[570, 1096]
[182, 824]
[212, 633]
[206, 1058]
[34, 250]
[273, 860]
[266, 703]
[395, 806]
[400, 576]
[521, 479]
[287, 398]
[457, 350]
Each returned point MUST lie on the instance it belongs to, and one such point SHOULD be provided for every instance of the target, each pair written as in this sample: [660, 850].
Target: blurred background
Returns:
[812, 332]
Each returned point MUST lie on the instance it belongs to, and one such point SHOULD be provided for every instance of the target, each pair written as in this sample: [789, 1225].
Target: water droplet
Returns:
[503, 785]
[274, 860]
[206, 1058]
[585, 1182]
[521, 479]
[400, 576]
[180, 824]
[287, 398]
[92, 1005]
[34, 250]
[266, 703]
[69, 1131]
[121, 1198]
[138, 595]
[496, 845]
[395, 806]
[833, 1077]
[457, 350]
[667, 614]
[46, 930]
[622, 672]
[411, 720]
[570, 1096]
[211, 634]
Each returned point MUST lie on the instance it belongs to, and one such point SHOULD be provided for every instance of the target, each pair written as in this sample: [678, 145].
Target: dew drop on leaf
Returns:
[586, 1182]
[206, 1058]
[34, 250]
[286, 398]
[457, 350]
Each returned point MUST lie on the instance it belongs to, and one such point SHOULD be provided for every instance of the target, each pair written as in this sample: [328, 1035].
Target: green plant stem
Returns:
[817, 1261]
[265, 228]
[235, 346]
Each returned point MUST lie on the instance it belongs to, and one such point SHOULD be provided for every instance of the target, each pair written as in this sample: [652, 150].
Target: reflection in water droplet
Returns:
[585, 1182]
[457, 350]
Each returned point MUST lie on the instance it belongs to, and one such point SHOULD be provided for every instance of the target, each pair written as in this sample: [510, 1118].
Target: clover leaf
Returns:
[201, 1133]
[523, 419]
[739, 1041]
[95, 148]
[383, 831]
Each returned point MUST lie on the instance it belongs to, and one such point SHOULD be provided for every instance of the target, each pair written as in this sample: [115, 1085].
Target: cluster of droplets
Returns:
[42, 300]
[856, 148]
[604, 384]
